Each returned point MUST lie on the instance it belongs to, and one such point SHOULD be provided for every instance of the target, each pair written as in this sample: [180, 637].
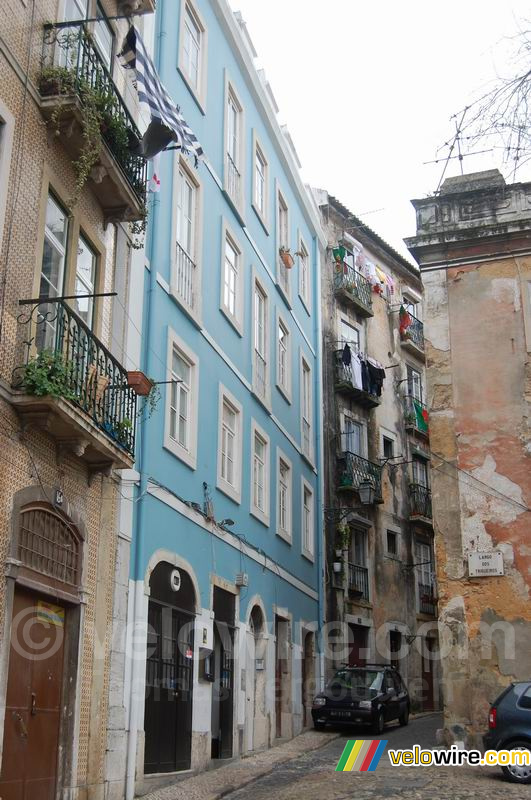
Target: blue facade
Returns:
[222, 355]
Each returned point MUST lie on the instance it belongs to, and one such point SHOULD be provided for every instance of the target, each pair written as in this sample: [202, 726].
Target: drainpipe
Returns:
[138, 668]
[320, 464]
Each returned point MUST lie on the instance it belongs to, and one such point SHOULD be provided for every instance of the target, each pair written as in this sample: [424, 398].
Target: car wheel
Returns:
[379, 723]
[404, 718]
[520, 774]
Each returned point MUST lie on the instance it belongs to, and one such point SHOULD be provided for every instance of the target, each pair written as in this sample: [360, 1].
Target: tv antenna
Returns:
[456, 142]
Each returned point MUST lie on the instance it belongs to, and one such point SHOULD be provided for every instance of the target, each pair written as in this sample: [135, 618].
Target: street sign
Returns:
[485, 564]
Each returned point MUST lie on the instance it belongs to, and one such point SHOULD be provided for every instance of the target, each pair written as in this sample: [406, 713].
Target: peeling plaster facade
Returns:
[473, 245]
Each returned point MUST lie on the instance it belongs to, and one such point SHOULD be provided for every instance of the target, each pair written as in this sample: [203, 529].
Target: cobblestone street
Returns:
[301, 770]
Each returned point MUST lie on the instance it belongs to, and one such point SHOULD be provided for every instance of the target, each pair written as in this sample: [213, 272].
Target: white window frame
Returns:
[266, 397]
[305, 296]
[234, 491]
[236, 320]
[263, 515]
[181, 167]
[263, 215]
[280, 199]
[187, 455]
[387, 434]
[199, 93]
[237, 201]
[303, 360]
[308, 553]
[285, 533]
[344, 415]
[284, 388]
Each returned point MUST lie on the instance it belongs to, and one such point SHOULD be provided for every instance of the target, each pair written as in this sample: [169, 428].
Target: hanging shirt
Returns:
[357, 379]
[346, 356]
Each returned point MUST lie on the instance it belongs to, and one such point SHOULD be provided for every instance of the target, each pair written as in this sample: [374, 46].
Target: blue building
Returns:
[226, 554]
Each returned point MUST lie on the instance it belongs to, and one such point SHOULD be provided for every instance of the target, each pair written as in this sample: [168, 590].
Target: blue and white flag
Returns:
[152, 93]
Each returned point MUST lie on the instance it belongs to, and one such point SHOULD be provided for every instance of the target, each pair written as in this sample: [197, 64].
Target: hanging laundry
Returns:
[357, 379]
[365, 380]
[422, 418]
[404, 320]
[346, 356]
[376, 376]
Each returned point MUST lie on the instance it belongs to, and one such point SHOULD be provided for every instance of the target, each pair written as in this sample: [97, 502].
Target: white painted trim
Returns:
[189, 456]
[262, 516]
[309, 554]
[177, 561]
[280, 195]
[230, 89]
[355, 416]
[232, 491]
[197, 257]
[306, 301]
[164, 496]
[235, 320]
[263, 217]
[287, 535]
[304, 360]
[286, 391]
[258, 282]
[200, 96]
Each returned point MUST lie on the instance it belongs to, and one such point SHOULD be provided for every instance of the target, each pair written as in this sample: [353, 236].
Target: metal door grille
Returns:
[48, 545]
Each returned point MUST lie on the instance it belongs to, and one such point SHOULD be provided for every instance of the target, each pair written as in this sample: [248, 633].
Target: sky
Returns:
[368, 91]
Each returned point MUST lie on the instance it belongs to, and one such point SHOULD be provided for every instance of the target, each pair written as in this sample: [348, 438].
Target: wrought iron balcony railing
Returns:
[233, 180]
[414, 333]
[185, 277]
[346, 381]
[420, 500]
[83, 371]
[260, 375]
[71, 65]
[349, 280]
[358, 581]
[427, 601]
[416, 415]
[354, 470]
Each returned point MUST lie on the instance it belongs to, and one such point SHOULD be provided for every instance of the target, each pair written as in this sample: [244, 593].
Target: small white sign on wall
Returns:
[485, 564]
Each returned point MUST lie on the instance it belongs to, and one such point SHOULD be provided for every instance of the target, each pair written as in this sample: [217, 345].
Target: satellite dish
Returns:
[175, 580]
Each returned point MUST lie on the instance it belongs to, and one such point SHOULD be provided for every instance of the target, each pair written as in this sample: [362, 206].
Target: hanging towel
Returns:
[357, 379]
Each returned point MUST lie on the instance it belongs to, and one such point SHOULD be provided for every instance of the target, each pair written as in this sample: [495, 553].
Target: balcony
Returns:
[83, 106]
[412, 338]
[353, 287]
[354, 470]
[233, 182]
[420, 504]
[260, 376]
[358, 582]
[185, 278]
[70, 386]
[427, 600]
[344, 382]
[416, 416]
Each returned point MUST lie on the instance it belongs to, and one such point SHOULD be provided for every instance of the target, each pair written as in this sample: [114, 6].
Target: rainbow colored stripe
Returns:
[361, 755]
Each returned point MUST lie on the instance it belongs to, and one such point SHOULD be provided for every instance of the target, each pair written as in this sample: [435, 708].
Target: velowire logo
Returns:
[360, 755]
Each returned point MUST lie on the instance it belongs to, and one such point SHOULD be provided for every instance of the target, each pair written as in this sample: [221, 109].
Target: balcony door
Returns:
[352, 437]
[350, 335]
[414, 384]
[420, 472]
[52, 271]
[423, 560]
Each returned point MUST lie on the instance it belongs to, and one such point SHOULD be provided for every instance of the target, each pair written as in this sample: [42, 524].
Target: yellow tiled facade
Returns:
[29, 456]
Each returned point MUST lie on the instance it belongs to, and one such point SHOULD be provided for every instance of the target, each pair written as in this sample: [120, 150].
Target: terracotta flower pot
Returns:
[139, 382]
[287, 259]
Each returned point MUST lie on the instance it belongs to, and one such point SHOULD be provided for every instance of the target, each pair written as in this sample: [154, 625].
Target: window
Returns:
[229, 445]
[284, 501]
[304, 275]
[283, 359]
[260, 178]
[85, 281]
[359, 547]
[234, 147]
[52, 267]
[412, 306]
[261, 327]
[351, 438]
[186, 275]
[307, 520]
[260, 474]
[388, 447]
[306, 408]
[349, 335]
[423, 562]
[104, 38]
[414, 383]
[76, 9]
[193, 51]
[283, 242]
[180, 435]
[420, 471]
[232, 280]
[392, 543]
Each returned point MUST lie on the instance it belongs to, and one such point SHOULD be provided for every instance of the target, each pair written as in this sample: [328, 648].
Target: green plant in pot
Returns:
[48, 374]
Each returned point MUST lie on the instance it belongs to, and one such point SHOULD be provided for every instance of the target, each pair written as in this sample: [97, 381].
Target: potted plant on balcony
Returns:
[48, 374]
[286, 257]
[140, 382]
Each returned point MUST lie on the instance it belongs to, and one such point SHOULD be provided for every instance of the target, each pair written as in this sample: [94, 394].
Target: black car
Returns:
[510, 727]
[373, 695]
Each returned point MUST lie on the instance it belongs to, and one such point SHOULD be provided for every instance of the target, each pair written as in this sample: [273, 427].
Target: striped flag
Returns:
[361, 755]
[152, 93]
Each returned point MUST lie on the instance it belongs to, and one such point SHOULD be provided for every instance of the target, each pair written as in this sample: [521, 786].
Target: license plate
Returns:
[340, 714]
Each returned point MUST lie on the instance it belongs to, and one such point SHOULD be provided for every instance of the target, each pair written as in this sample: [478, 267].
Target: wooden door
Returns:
[33, 703]
[358, 636]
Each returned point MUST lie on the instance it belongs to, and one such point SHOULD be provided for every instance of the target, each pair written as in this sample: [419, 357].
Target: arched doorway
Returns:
[308, 677]
[169, 670]
[42, 638]
[255, 716]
